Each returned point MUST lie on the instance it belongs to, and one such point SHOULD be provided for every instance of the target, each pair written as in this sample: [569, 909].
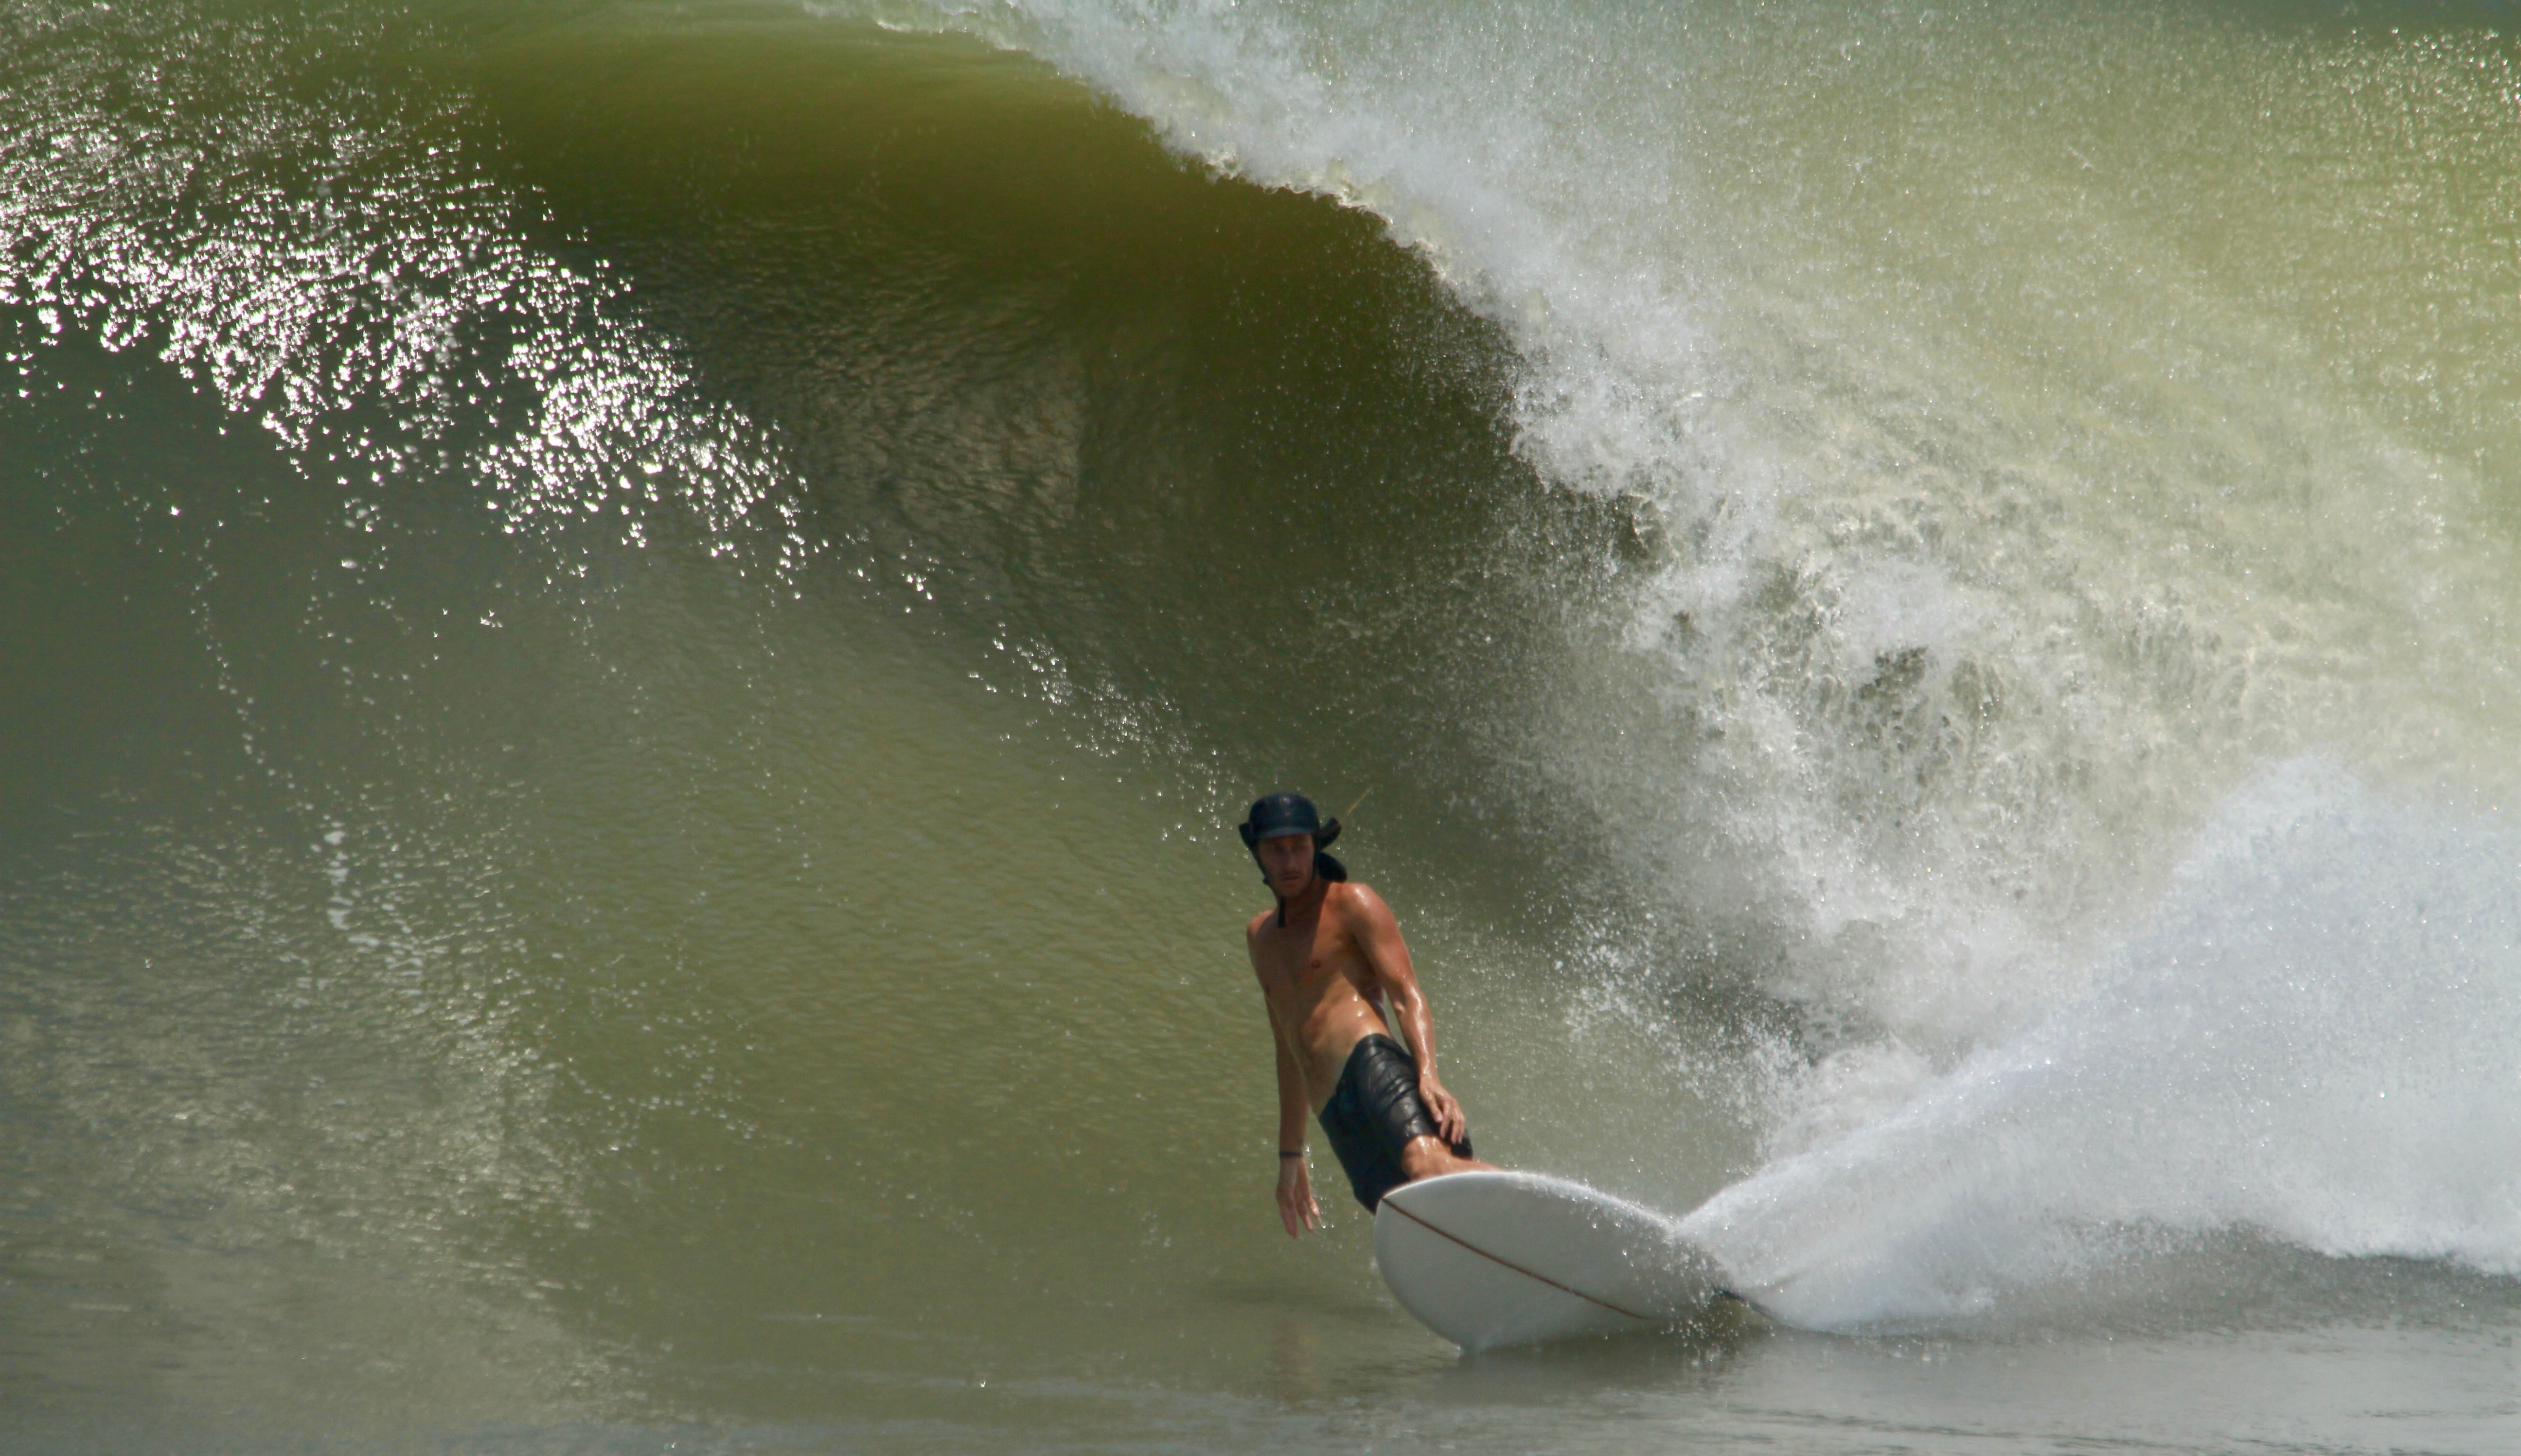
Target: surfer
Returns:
[1327, 958]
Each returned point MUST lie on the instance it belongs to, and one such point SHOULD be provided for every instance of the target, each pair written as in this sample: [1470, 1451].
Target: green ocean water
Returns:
[630, 634]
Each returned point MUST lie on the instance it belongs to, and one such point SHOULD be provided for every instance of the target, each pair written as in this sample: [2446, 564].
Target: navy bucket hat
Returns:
[1279, 814]
[1275, 815]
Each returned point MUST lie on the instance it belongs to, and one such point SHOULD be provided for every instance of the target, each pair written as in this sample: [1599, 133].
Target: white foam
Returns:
[2302, 1045]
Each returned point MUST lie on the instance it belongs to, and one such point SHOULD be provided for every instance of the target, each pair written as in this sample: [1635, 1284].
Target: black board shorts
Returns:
[1374, 1113]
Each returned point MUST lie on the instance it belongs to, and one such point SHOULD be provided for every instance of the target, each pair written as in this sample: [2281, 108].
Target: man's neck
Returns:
[1306, 903]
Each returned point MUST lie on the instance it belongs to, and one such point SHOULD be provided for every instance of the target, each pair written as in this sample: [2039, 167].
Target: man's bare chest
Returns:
[1307, 968]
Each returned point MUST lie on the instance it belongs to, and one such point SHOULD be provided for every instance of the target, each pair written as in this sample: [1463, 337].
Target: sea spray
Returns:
[2305, 1044]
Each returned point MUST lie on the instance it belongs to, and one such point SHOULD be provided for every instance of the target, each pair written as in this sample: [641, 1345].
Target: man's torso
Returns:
[1322, 989]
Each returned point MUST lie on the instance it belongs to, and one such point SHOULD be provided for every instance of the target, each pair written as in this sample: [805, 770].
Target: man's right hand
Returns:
[1296, 1207]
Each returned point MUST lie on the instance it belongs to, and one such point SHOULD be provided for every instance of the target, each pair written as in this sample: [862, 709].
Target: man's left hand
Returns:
[1450, 1121]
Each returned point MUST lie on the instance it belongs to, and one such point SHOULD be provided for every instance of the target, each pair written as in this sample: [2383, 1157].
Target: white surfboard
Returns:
[1498, 1258]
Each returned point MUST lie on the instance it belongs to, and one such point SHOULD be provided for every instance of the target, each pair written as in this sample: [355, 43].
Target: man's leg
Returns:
[1426, 1157]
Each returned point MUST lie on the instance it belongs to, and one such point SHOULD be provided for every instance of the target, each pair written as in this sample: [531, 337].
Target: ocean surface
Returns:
[630, 633]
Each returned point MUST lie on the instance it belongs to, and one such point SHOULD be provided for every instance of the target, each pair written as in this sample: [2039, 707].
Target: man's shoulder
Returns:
[1354, 899]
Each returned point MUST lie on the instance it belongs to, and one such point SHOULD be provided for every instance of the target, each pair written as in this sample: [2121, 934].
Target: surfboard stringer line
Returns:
[1721, 1291]
[1520, 1269]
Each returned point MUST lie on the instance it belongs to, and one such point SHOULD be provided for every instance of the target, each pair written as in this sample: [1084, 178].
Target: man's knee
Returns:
[1426, 1156]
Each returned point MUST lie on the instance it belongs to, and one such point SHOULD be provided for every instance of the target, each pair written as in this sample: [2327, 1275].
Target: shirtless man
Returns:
[1326, 958]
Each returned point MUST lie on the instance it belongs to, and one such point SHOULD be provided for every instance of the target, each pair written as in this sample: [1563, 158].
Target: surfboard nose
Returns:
[1496, 1259]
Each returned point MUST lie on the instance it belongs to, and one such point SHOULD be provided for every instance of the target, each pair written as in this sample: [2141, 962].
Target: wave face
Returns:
[630, 635]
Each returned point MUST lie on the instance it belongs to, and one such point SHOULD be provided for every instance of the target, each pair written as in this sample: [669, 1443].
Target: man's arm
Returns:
[1297, 1207]
[1378, 935]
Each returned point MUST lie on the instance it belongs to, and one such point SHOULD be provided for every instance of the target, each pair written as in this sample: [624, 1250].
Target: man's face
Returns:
[1288, 861]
